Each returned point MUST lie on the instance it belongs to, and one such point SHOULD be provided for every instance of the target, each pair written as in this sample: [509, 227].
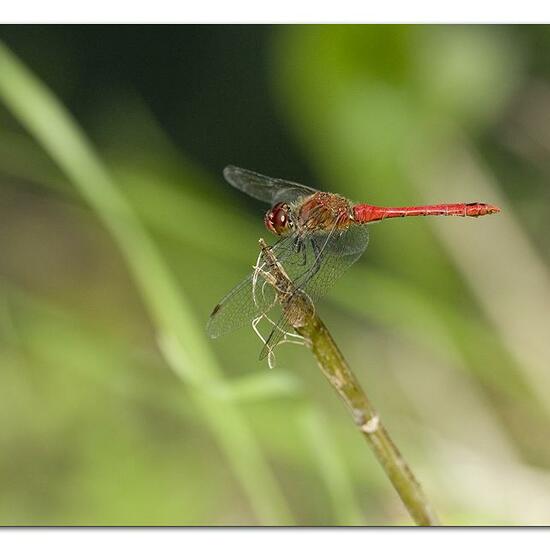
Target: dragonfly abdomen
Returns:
[366, 213]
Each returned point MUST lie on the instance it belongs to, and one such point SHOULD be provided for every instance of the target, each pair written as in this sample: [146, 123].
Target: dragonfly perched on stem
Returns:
[320, 236]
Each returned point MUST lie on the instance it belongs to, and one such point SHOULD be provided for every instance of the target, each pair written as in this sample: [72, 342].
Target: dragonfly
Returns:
[320, 235]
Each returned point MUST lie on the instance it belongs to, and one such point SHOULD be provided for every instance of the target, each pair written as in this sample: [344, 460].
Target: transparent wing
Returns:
[265, 188]
[338, 254]
[323, 261]
[314, 263]
[248, 300]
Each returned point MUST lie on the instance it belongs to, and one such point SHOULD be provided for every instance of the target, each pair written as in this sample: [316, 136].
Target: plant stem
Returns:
[301, 315]
[341, 378]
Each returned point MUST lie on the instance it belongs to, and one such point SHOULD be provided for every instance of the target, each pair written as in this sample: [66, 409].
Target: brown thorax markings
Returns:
[322, 211]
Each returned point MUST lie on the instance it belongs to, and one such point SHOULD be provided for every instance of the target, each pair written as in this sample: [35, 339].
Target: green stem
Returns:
[300, 313]
[336, 370]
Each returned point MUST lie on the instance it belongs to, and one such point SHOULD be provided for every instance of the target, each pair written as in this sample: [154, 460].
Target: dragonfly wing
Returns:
[316, 268]
[314, 263]
[265, 188]
[248, 300]
[235, 309]
[338, 253]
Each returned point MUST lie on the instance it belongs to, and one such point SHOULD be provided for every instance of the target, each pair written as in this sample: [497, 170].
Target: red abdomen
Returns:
[365, 213]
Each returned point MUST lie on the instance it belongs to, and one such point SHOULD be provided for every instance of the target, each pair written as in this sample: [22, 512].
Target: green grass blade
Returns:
[332, 468]
[53, 127]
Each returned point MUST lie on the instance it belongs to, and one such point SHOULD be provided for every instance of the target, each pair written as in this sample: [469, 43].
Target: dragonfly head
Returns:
[278, 219]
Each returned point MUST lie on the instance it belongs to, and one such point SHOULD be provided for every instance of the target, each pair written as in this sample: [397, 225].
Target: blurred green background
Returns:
[118, 238]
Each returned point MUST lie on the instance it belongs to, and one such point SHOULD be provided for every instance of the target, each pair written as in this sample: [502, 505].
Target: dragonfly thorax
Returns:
[278, 219]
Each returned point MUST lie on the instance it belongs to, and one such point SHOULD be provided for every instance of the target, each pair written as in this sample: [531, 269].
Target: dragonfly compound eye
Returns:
[277, 219]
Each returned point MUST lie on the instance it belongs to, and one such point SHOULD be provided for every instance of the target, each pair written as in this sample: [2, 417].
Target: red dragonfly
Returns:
[320, 235]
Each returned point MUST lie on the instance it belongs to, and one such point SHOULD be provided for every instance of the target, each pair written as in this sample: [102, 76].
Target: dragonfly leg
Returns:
[300, 248]
[317, 264]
